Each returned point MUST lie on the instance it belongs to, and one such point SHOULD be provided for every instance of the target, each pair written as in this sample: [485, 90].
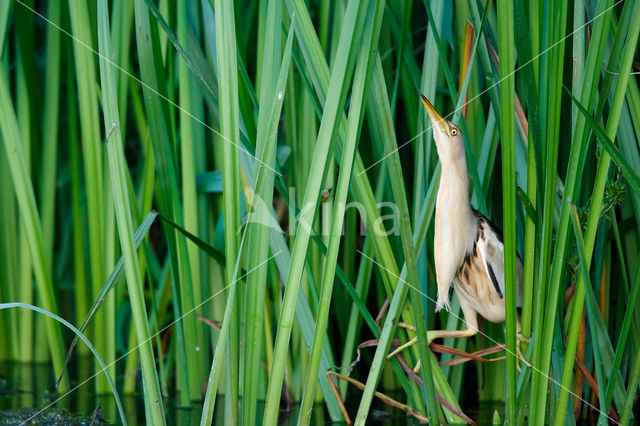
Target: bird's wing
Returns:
[491, 250]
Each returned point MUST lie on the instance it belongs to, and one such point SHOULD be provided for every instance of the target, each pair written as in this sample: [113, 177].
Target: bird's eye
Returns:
[454, 132]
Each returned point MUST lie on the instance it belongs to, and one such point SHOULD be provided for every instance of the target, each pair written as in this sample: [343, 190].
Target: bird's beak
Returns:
[436, 119]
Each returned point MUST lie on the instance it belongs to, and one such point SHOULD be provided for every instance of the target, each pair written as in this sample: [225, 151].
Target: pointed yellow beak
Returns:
[436, 119]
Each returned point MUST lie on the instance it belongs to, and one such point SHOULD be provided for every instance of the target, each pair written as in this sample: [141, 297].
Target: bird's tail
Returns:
[443, 300]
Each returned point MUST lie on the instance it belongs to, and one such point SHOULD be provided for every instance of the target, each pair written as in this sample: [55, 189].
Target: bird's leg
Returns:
[469, 318]
[521, 358]
[472, 329]
[519, 334]
[431, 336]
[519, 340]
[406, 345]
[443, 334]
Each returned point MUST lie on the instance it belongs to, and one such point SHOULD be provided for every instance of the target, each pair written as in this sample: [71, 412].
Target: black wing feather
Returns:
[494, 280]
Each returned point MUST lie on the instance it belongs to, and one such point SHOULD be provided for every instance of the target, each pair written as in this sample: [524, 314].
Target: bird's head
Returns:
[446, 134]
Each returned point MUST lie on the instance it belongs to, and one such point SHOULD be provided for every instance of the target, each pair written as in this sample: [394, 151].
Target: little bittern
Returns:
[468, 250]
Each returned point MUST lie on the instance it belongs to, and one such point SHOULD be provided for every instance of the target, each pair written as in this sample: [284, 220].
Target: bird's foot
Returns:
[407, 326]
[521, 357]
[408, 344]
[402, 347]
[522, 339]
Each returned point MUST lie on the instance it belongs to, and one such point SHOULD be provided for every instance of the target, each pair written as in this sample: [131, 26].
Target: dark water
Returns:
[26, 389]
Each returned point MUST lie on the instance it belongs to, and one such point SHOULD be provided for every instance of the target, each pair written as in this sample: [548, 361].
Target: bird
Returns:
[468, 248]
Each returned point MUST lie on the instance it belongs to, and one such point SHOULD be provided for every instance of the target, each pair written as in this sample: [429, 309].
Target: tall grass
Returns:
[286, 152]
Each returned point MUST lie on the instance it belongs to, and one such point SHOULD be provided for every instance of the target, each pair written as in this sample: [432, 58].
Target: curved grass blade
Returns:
[80, 336]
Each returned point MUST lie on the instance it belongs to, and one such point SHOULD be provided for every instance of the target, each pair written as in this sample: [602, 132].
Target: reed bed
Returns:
[231, 203]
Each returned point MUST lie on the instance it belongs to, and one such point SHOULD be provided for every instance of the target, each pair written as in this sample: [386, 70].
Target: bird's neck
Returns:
[453, 192]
